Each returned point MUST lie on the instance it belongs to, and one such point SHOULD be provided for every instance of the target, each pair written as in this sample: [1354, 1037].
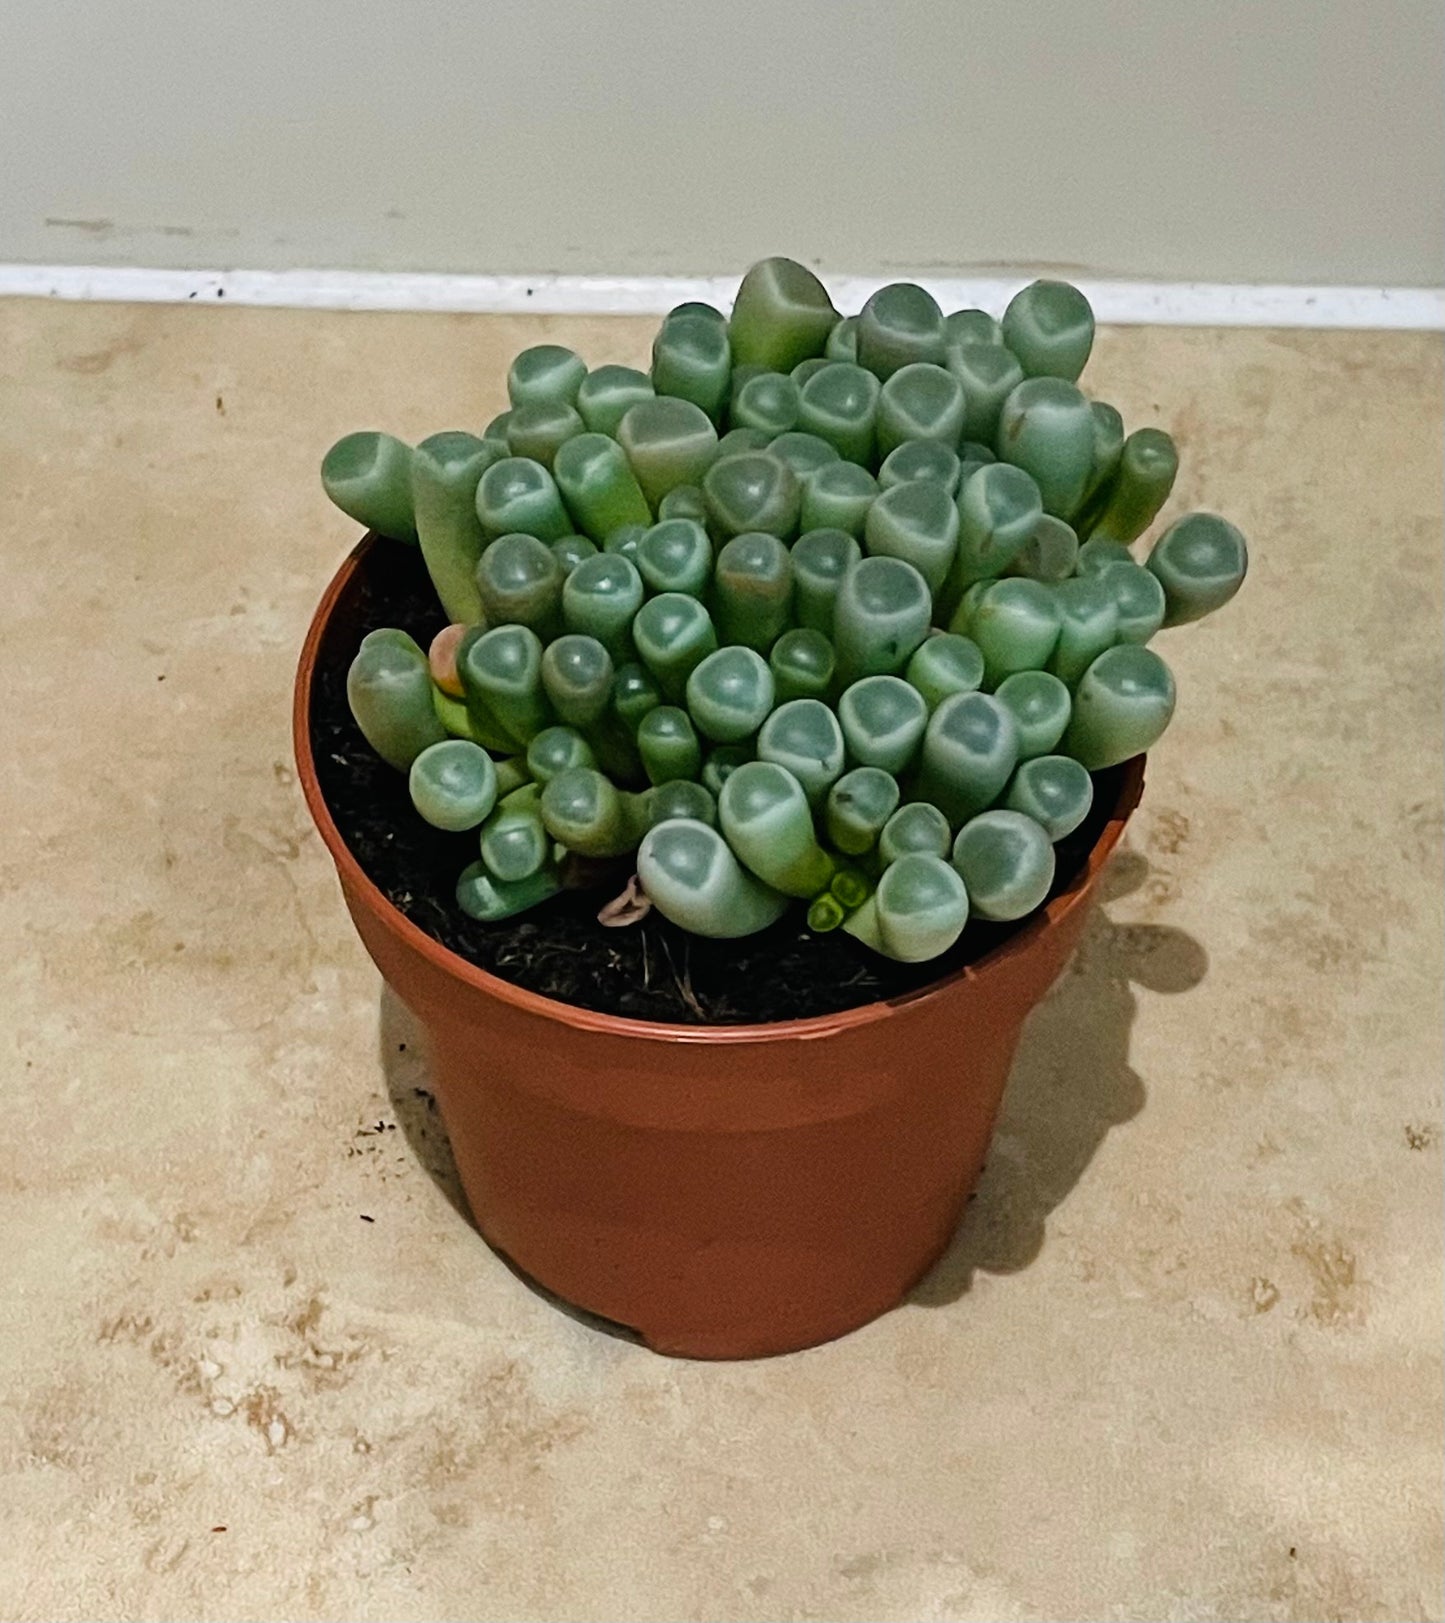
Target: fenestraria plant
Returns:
[834, 611]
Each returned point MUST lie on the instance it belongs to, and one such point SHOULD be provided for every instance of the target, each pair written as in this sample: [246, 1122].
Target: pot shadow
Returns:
[1071, 1083]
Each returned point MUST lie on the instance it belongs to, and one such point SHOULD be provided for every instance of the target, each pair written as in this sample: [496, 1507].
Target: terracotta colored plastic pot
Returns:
[727, 1192]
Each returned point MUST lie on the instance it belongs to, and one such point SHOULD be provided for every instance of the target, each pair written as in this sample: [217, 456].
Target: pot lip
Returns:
[356, 880]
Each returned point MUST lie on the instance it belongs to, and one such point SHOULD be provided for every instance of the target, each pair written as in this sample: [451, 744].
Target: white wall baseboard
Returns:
[1126, 303]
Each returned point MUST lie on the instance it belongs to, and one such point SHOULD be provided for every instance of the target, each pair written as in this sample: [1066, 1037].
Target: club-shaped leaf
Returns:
[729, 694]
[389, 691]
[445, 471]
[1046, 428]
[669, 442]
[765, 817]
[900, 324]
[502, 671]
[782, 315]
[675, 556]
[753, 490]
[921, 459]
[917, 522]
[453, 784]
[1050, 327]
[544, 374]
[691, 361]
[517, 496]
[539, 432]
[945, 664]
[598, 485]
[918, 911]
[368, 476]
[883, 720]
[767, 401]
[881, 615]
[673, 634]
[1200, 561]
[839, 404]
[969, 753]
[858, 806]
[1007, 864]
[916, 827]
[1016, 626]
[999, 507]
[989, 374]
[487, 899]
[1122, 704]
[600, 598]
[668, 745]
[920, 402]
[607, 394]
[693, 879]
[1054, 790]
[752, 591]
[1040, 704]
[577, 677]
[803, 735]
[520, 583]
[802, 664]
[1088, 624]
[1139, 486]
[837, 497]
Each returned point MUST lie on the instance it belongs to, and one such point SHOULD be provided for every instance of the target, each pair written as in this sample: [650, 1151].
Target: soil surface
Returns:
[650, 971]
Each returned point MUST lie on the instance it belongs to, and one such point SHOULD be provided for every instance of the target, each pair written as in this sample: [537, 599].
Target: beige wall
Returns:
[1218, 140]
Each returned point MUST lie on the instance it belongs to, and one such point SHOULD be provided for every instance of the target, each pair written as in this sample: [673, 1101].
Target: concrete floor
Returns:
[1184, 1360]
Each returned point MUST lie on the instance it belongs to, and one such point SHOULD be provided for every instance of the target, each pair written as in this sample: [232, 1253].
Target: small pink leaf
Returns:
[442, 657]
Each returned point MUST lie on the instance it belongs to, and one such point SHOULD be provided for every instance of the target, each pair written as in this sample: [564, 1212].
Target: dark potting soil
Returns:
[650, 971]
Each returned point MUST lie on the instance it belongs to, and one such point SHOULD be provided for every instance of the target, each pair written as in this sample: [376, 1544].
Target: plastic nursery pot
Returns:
[729, 1191]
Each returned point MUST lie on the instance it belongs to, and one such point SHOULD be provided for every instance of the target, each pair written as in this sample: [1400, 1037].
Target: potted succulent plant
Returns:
[818, 655]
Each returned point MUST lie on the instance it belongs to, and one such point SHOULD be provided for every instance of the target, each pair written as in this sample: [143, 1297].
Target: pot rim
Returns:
[355, 878]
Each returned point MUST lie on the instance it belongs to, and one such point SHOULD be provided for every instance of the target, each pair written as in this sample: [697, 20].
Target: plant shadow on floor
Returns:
[1071, 1083]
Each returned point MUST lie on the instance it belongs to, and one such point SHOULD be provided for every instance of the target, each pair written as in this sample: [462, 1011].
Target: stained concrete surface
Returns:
[1184, 1359]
